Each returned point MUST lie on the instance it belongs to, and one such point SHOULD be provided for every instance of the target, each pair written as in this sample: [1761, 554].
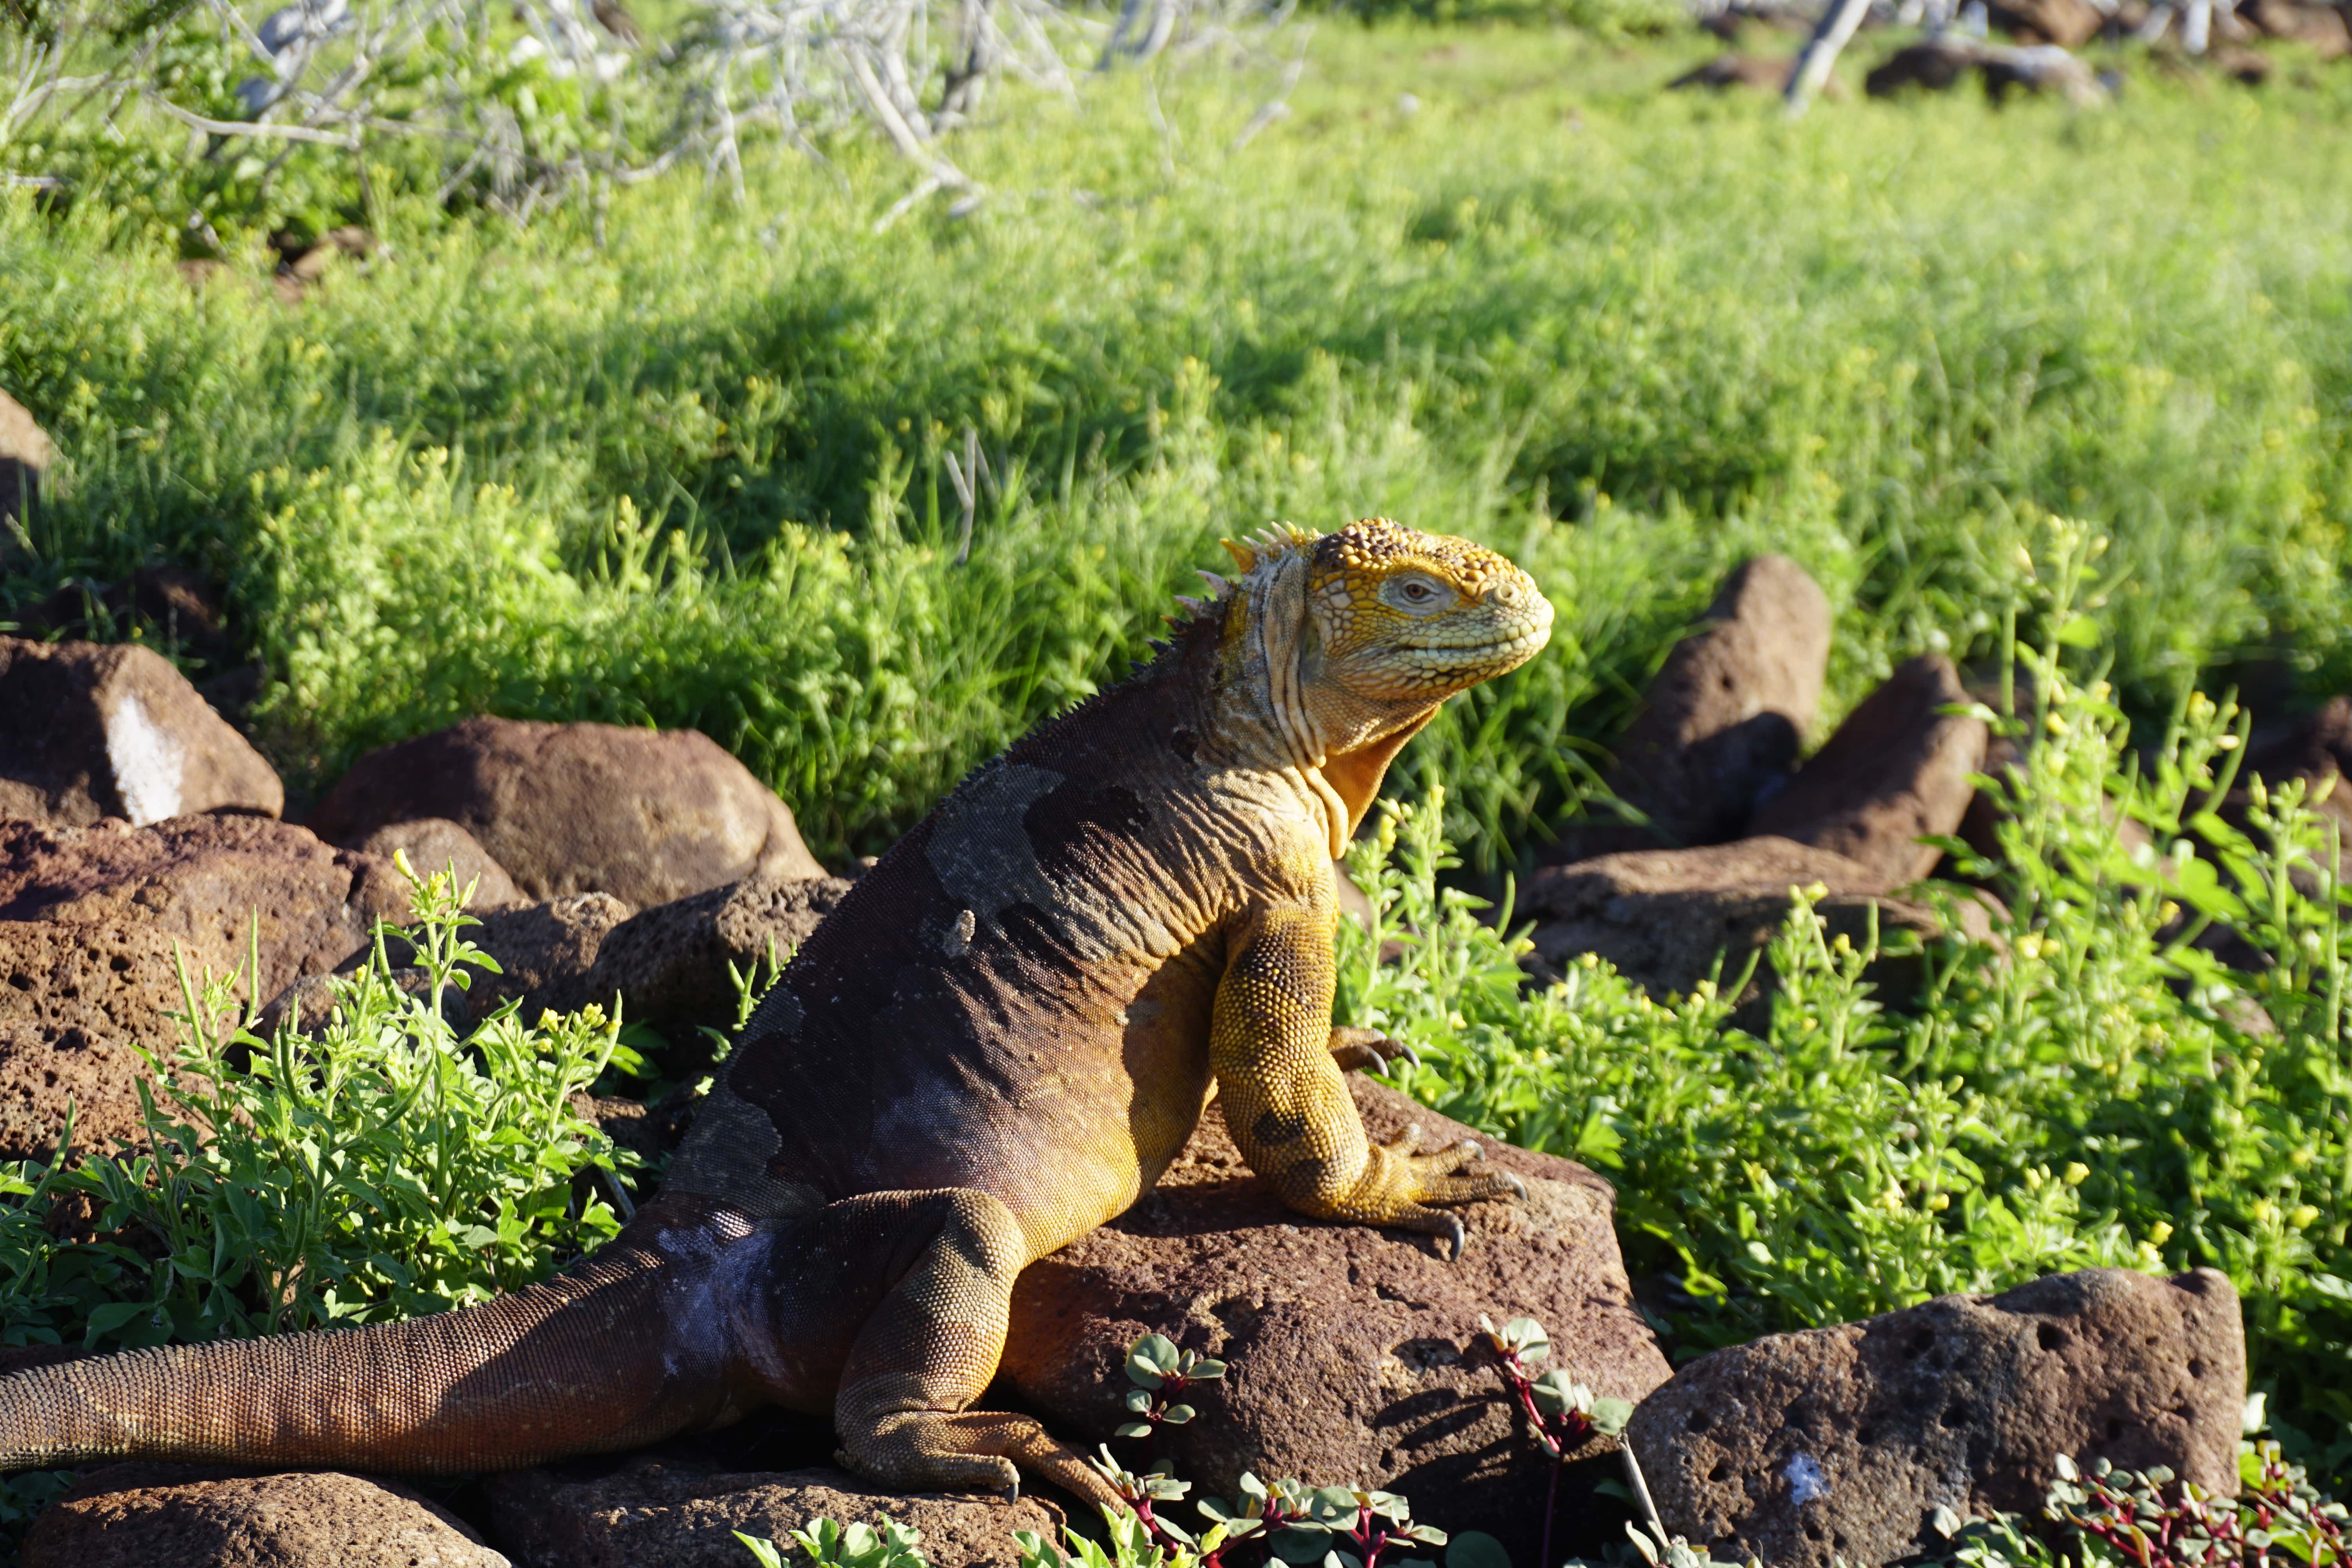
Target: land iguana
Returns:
[1000, 1041]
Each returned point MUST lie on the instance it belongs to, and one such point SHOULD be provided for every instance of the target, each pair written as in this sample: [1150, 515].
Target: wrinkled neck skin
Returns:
[1274, 710]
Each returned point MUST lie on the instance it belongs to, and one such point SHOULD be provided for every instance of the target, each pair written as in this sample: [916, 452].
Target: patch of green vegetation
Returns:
[373, 1169]
[699, 476]
[2086, 1088]
[370, 1169]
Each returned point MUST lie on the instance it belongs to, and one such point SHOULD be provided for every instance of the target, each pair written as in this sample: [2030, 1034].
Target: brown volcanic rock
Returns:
[2069, 23]
[1722, 719]
[25, 455]
[544, 953]
[1355, 1353]
[187, 1516]
[1661, 915]
[669, 964]
[437, 844]
[209, 882]
[547, 951]
[648, 816]
[1936, 64]
[75, 1001]
[2322, 26]
[1897, 769]
[87, 732]
[1842, 1442]
[659, 1510]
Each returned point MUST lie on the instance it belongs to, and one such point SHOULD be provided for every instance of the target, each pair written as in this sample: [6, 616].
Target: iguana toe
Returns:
[1369, 1050]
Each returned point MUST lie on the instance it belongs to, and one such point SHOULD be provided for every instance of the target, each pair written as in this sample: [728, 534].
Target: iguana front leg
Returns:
[1273, 1052]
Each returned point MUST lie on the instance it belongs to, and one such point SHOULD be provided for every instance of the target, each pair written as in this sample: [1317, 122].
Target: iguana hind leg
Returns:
[925, 1282]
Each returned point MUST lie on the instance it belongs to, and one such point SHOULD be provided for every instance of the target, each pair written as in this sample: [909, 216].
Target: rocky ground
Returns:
[2037, 58]
[134, 820]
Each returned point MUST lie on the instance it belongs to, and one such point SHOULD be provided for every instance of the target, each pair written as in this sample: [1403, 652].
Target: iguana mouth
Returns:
[1512, 650]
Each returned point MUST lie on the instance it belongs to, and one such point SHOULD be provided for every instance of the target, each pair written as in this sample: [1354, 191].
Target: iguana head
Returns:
[1336, 648]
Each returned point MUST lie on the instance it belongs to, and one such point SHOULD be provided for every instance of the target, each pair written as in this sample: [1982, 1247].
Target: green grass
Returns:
[695, 478]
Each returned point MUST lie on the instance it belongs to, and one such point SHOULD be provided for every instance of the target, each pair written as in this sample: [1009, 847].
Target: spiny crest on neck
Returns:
[1278, 543]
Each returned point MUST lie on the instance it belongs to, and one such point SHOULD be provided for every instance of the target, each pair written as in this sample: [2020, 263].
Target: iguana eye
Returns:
[1416, 595]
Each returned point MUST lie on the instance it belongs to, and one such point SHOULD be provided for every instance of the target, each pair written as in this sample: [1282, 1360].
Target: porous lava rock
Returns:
[186, 1516]
[1897, 770]
[2069, 23]
[546, 953]
[437, 844]
[1937, 65]
[1354, 1352]
[647, 816]
[222, 886]
[89, 731]
[1721, 722]
[669, 965]
[1662, 916]
[662, 1511]
[1842, 1443]
[25, 455]
[2321, 27]
[76, 1002]
[2039, 68]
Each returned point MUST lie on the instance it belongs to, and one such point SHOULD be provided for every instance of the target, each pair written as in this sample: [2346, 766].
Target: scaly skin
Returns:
[999, 1041]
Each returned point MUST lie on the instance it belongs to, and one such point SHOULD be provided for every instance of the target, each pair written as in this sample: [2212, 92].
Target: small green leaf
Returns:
[1475, 1549]
[1301, 1543]
[1132, 1429]
[2080, 632]
[1177, 1414]
[1151, 1360]
[763, 1552]
[106, 1319]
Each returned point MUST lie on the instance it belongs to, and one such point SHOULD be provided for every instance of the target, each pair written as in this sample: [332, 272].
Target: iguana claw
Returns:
[1460, 1236]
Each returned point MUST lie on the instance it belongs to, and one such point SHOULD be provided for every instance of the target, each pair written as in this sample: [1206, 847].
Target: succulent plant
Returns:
[1162, 1373]
[827, 1543]
[2155, 1518]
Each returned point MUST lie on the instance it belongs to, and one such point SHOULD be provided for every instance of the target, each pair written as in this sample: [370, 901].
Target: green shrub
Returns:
[2086, 1089]
[380, 1170]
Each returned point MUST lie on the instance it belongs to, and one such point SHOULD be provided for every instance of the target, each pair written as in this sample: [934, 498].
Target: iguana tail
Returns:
[604, 1359]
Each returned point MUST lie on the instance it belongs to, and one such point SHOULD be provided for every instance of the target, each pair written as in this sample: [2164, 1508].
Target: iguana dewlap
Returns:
[999, 1040]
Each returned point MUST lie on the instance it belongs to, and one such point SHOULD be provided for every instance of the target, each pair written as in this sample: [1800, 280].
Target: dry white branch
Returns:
[343, 138]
